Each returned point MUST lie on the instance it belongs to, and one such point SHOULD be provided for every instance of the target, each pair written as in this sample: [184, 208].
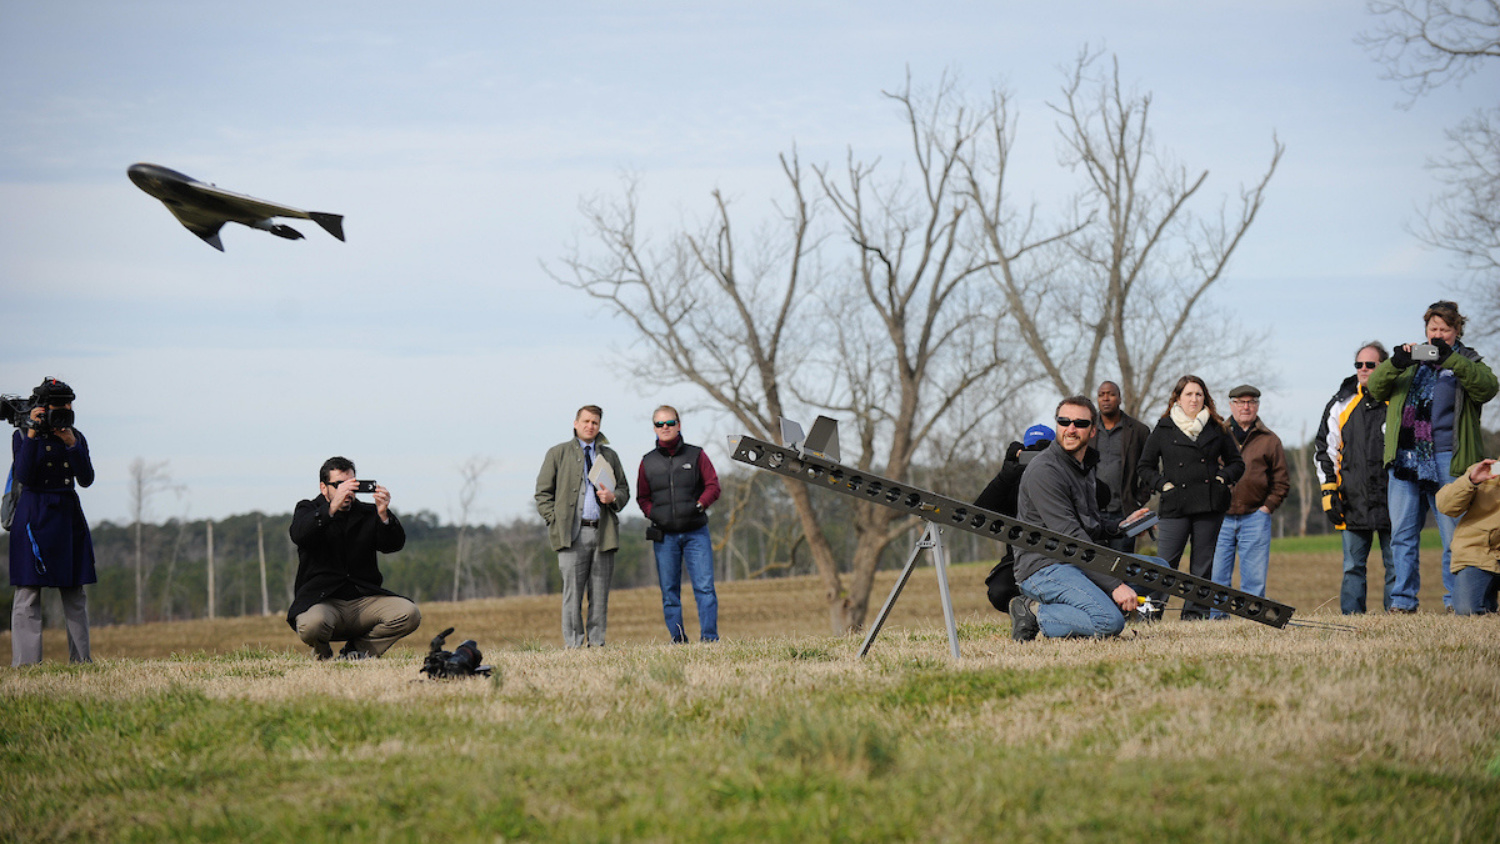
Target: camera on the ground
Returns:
[462, 661]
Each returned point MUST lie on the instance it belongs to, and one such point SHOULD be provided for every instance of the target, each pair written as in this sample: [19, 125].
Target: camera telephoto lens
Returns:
[465, 659]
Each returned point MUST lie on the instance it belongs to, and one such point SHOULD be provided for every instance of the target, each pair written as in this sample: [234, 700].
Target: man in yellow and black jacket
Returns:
[1349, 450]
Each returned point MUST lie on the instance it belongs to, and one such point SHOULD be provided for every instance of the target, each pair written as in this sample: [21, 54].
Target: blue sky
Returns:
[458, 138]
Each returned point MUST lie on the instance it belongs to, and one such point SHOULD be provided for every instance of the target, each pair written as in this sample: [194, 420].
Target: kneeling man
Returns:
[338, 593]
[1059, 492]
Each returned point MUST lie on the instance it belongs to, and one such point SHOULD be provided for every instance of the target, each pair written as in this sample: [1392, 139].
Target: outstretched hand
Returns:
[1483, 471]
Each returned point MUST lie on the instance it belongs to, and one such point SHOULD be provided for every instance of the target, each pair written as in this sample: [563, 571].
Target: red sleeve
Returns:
[643, 490]
[710, 480]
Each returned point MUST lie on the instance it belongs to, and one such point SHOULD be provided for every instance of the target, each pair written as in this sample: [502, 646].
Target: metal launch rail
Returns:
[817, 465]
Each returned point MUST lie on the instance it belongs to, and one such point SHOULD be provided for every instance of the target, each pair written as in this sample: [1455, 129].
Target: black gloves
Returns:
[1401, 358]
[1333, 505]
[1443, 349]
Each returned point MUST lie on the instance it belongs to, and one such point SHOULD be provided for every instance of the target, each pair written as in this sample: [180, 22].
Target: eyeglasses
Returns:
[1366, 364]
[1080, 424]
[1244, 401]
[665, 423]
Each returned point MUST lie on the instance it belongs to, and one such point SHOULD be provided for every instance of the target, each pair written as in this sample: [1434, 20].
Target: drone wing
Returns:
[250, 208]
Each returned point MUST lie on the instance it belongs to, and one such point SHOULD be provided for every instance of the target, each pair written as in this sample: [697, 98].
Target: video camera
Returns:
[462, 661]
[17, 410]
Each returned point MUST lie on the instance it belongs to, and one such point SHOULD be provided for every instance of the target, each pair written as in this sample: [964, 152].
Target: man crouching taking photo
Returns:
[338, 593]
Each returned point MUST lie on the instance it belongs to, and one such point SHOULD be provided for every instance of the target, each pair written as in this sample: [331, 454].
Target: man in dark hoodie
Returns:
[1059, 492]
[675, 486]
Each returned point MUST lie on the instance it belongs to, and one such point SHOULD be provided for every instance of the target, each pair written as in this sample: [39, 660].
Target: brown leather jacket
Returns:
[1266, 479]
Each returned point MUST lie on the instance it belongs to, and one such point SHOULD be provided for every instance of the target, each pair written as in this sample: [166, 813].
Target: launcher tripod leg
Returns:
[931, 539]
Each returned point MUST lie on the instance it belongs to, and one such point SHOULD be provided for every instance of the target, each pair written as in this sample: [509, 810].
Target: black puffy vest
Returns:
[675, 487]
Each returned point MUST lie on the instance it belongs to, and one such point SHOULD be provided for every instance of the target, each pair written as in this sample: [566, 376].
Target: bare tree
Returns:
[1464, 219]
[470, 474]
[146, 481]
[1123, 293]
[885, 325]
[1423, 45]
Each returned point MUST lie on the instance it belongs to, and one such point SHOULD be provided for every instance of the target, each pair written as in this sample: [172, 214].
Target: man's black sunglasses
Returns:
[1366, 364]
[1082, 424]
[664, 423]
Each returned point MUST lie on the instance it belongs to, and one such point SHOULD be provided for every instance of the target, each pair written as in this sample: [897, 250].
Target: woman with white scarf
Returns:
[1191, 460]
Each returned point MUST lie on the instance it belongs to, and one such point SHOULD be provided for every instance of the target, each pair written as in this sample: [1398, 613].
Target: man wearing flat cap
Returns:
[1260, 490]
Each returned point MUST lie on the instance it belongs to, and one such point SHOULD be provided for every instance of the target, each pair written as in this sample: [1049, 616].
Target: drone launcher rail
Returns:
[817, 471]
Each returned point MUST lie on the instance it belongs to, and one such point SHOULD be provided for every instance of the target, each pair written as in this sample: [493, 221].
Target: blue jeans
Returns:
[1069, 604]
[1474, 591]
[1409, 505]
[1357, 545]
[694, 551]
[1249, 536]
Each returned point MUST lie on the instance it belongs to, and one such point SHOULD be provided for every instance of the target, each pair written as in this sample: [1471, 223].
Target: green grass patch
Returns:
[1226, 732]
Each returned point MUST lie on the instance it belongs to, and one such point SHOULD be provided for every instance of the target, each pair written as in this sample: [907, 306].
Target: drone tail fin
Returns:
[331, 223]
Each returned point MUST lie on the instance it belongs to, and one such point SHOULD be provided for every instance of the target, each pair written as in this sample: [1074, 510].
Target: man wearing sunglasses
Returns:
[339, 594]
[675, 487]
[1059, 492]
[1348, 452]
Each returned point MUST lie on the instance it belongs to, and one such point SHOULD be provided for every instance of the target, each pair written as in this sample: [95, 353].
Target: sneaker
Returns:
[352, 654]
[1023, 623]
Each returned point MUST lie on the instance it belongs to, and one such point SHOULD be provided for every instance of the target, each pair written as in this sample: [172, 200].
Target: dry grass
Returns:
[1225, 731]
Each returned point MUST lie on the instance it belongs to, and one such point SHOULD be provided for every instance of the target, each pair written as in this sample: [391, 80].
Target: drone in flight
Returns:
[203, 208]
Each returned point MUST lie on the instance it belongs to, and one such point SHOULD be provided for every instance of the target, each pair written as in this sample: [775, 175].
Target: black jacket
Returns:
[336, 554]
[1132, 443]
[1349, 450]
[1200, 472]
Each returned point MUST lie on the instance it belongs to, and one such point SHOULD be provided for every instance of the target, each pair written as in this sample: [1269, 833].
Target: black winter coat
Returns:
[1200, 472]
[1350, 450]
[336, 554]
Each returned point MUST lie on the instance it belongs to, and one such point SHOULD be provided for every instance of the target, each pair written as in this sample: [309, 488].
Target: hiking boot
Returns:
[353, 653]
[1023, 623]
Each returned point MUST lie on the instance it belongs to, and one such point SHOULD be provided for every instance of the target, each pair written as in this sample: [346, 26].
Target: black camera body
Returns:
[17, 411]
[462, 661]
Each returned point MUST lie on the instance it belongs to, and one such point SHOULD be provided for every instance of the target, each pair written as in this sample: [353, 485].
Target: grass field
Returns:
[224, 731]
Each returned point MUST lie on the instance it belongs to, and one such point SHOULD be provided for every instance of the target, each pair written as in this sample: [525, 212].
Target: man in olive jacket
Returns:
[583, 522]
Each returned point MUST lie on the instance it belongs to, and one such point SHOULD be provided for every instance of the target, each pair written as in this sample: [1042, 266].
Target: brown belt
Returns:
[593, 523]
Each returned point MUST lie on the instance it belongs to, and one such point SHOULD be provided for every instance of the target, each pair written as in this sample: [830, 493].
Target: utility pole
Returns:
[260, 542]
[211, 608]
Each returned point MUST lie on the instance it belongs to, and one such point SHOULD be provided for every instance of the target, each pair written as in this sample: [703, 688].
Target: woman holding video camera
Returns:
[50, 545]
[1436, 392]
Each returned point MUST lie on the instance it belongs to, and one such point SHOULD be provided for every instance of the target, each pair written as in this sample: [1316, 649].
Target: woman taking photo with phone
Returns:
[1436, 392]
[1191, 460]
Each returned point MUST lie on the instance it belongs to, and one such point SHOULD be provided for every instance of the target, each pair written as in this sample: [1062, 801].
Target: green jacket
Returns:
[560, 489]
[1476, 385]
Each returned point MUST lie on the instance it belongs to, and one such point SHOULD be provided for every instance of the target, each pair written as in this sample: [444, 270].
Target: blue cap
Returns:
[1037, 433]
